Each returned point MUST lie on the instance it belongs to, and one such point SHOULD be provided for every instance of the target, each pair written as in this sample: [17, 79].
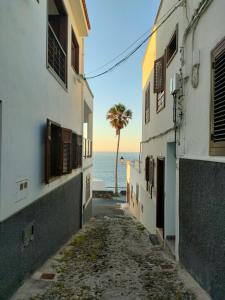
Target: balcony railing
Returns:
[87, 148]
[56, 55]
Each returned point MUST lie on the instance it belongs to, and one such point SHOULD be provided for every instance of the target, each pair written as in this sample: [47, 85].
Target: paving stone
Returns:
[111, 258]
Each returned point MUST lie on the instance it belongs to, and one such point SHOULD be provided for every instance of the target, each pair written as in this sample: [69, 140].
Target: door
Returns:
[160, 194]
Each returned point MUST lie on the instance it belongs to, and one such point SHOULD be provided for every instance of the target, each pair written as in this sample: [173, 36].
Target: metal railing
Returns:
[87, 148]
[56, 55]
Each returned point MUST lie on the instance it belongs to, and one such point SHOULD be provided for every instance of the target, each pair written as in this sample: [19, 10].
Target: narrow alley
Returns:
[110, 258]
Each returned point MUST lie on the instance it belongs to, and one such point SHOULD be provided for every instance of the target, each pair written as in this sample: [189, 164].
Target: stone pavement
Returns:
[110, 258]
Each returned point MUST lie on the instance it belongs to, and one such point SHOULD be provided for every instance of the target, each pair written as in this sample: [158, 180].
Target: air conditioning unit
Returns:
[175, 84]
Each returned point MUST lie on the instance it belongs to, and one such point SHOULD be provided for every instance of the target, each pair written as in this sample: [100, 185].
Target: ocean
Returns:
[104, 168]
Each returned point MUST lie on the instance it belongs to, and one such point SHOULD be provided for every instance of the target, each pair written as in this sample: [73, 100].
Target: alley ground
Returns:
[110, 258]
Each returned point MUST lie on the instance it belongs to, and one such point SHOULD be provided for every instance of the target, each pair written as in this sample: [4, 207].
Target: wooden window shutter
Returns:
[147, 104]
[217, 141]
[79, 149]
[74, 150]
[151, 171]
[66, 151]
[48, 152]
[147, 168]
[159, 75]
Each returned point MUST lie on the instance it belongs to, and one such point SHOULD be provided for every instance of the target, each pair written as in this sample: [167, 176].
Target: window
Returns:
[217, 138]
[172, 48]
[57, 39]
[63, 151]
[147, 104]
[159, 83]
[74, 53]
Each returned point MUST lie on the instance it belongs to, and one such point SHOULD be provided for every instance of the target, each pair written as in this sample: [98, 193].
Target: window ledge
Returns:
[55, 75]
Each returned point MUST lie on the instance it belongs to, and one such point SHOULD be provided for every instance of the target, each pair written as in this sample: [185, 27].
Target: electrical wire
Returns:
[132, 44]
[168, 14]
[124, 51]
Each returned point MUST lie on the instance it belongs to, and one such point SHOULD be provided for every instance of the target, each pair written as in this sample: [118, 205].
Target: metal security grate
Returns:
[56, 55]
[219, 97]
[159, 75]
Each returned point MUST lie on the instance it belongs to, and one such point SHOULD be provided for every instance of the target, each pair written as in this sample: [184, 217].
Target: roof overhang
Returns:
[79, 9]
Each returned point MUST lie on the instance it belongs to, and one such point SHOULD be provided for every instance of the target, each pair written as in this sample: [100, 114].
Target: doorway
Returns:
[160, 195]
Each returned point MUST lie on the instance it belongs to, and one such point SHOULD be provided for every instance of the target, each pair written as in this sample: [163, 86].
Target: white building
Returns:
[182, 182]
[44, 105]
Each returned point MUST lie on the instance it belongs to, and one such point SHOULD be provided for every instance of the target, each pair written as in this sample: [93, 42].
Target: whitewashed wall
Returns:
[209, 32]
[88, 116]
[29, 95]
[162, 121]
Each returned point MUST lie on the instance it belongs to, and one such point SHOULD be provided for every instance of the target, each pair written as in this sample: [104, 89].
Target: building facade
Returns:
[182, 149]
[45, 104]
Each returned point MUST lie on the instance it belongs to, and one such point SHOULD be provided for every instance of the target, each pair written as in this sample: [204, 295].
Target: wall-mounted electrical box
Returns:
[175, 84]
[22, 187]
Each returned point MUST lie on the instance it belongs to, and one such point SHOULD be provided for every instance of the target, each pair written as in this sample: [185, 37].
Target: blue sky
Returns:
[115, 24]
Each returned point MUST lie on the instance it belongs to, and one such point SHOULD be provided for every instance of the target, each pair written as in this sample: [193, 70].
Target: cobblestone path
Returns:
[112, 258]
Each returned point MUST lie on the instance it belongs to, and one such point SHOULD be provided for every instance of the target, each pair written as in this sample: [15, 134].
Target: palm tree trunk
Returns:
[116, 171]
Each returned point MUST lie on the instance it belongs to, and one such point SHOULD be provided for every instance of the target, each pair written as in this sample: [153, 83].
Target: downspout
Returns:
[82, 124]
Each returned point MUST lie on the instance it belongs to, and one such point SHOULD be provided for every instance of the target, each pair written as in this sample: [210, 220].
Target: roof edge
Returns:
[86, 14]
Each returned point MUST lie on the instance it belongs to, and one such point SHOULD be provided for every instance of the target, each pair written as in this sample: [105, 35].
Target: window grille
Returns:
[159, 75]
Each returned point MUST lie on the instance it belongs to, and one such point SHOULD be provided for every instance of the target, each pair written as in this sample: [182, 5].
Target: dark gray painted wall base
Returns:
[202, 223]
[56, 217]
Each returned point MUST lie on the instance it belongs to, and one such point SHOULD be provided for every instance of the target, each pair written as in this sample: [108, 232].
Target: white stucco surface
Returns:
[30, 94]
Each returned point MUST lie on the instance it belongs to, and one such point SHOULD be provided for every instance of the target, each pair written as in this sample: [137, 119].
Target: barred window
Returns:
[57, 39]
[159, 75]
[159, 83]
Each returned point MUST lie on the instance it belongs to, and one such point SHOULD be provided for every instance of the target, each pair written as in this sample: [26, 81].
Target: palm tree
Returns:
[118, 117]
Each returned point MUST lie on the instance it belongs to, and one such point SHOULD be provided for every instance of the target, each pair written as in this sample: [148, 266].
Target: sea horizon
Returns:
[104, 167]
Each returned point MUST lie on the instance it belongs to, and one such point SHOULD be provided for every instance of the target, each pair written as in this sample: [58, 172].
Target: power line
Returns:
[170, 12]
[124, 51]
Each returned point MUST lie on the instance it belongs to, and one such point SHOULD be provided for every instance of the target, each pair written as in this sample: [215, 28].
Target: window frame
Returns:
[175, 34]
[215, 148]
